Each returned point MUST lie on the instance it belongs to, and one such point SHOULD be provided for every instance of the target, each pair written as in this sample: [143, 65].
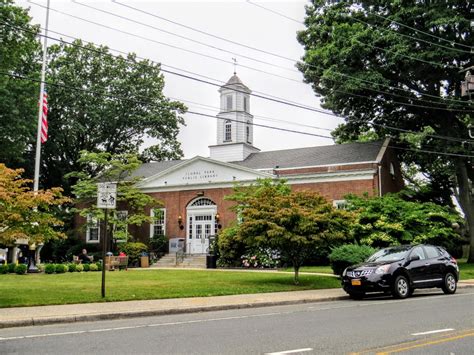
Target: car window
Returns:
[389, 254]
[418, 251]
[431, 252]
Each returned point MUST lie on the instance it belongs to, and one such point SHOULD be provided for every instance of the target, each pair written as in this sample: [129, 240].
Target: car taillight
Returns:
[453, 260]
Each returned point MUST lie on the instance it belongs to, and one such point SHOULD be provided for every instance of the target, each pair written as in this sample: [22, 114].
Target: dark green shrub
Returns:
[99, 265]
[72, 267]
[61, 268]
[347, 255]
[79, 267]
[50, 268]
[3, 269]
[21, 269]
[93, 267]
[231, 248]
[134, 251]
[159, 244]
[11, 268]
[86, 267]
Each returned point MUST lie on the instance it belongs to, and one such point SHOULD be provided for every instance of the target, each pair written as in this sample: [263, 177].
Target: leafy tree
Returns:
[392, 66]
[104, 103]
[19, 54]
[25, 214]
[117, 168]
[390, 220]
[291, 223]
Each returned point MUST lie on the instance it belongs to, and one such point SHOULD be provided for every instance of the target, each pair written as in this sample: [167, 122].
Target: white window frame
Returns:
[227, 131]
[245, 104]
[247, 132]
[340, 204]
[229, 102]
[126, 226]
[153, 224]
[91, 221]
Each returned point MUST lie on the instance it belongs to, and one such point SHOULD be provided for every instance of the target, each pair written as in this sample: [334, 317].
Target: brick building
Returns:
[193, 190]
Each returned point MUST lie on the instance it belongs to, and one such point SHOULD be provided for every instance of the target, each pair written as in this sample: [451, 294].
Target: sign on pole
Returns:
[106, 195]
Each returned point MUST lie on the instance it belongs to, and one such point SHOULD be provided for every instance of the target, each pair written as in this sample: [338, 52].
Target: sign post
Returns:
[106, 199]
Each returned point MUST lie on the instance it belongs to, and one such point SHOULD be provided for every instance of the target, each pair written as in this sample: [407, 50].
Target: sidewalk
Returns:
[27, 316]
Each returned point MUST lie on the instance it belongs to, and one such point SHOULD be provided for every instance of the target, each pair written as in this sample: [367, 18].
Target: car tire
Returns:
[356, 295]
[401, 287]
[449, 283]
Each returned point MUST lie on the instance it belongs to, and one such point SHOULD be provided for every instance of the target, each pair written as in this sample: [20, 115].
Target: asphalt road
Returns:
[428, 323]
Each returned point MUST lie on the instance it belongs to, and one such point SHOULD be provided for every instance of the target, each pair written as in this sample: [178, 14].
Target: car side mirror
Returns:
[414, 257]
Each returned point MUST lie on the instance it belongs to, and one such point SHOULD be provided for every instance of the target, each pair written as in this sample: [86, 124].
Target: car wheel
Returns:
[356, 295]
[401, 287]
[449, 283]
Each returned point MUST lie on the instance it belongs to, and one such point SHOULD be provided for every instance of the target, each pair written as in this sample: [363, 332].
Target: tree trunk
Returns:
[465, 199]
[296, 279]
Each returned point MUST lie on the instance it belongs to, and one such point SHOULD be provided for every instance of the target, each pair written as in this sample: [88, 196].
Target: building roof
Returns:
[314, 156]
[289, 158]
[235, 81]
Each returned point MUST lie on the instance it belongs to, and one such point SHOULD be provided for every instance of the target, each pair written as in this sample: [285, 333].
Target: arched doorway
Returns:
[201, 216]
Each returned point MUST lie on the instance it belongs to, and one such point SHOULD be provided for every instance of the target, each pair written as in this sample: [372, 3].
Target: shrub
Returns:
[11, 268]
[99, 265]
[86, 267]
[72, 267]
[3, 269]
[40, 267]
[79, 267]
[50, 268]
[61, 268]
[93, 267]
[159, 243]
[134, 251]
[21, 269]
[347, 255]
[261, 258]
[231, 248]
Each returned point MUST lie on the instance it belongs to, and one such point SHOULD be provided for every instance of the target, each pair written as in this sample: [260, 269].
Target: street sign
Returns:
[106, 195]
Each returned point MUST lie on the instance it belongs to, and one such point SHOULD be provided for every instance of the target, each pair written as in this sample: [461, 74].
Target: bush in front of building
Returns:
[79, 267]
[261, 258]
[61, 268]
[50, 269]
[72, 267]
[20, 269]
[231, 248]
[3, 269]
[159, 244]
[347, 255]
[134, 251]
[11, 268]
[86, 267]
[93, 267]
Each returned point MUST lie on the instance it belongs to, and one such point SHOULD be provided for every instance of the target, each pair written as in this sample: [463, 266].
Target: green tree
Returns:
[390, 220]
[19, 54]
[390, 66]
[117, 168]
[105, 103]
[292, 223]
[26, 214]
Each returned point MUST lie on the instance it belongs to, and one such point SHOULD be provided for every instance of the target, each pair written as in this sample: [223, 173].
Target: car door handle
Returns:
[427, 264]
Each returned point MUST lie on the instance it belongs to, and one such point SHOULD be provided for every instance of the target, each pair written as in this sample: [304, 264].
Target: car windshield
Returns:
[390, 254]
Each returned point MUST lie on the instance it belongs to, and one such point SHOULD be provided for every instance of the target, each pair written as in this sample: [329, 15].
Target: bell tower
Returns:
[234, 123]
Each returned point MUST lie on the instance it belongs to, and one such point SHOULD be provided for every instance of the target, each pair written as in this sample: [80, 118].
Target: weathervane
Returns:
[235, 65]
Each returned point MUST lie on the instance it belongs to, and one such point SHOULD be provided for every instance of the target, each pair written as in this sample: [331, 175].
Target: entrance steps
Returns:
[191, 261]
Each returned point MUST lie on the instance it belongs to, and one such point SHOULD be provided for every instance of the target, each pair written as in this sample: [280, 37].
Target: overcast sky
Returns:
[238, 21]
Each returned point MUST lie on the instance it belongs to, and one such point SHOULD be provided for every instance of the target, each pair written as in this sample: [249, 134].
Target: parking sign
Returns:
[106, 195]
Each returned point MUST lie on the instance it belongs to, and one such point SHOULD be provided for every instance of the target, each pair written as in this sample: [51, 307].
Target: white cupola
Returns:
[234, 123]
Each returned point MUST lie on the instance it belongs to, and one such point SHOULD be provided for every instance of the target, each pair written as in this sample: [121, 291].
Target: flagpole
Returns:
[41, 103]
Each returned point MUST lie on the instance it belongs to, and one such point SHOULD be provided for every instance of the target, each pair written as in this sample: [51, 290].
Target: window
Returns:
[245, 104]
[158, 227]
[418, 251]
[247, 132]
[120, 228]
[229, 102]
[228, 131]
[204, 201]
[93, 228]
[340, 204]
[431, 252]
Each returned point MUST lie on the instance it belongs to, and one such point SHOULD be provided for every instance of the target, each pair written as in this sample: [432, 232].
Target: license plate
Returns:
[356, 283]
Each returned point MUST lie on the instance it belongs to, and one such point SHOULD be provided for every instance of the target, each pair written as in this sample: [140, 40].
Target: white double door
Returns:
[201, 225]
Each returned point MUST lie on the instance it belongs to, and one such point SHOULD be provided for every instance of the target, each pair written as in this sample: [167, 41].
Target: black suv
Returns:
[400, 270]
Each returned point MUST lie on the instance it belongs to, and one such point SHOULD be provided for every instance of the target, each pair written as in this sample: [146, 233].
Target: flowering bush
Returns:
[261, 258]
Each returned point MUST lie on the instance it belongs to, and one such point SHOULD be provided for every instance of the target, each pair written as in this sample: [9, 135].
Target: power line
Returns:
[288, 102]
[255, 69]
[427, 33]
[22, 77]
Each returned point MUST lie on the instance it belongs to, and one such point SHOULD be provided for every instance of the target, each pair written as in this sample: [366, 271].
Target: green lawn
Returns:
[85, 287]
[467, 270]
[315, 269]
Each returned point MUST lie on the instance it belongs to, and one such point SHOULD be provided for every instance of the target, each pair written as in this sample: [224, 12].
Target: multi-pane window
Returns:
[120, 228]
[92, 233]
[229, 102]
[247, 132]
[158, 227]
[227, 131]
[245, 104]
[190, 224]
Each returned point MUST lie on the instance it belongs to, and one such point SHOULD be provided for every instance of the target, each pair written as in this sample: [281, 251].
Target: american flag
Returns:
[44, 118]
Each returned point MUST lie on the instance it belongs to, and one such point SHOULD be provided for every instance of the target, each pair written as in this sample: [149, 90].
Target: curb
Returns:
[154, 312]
